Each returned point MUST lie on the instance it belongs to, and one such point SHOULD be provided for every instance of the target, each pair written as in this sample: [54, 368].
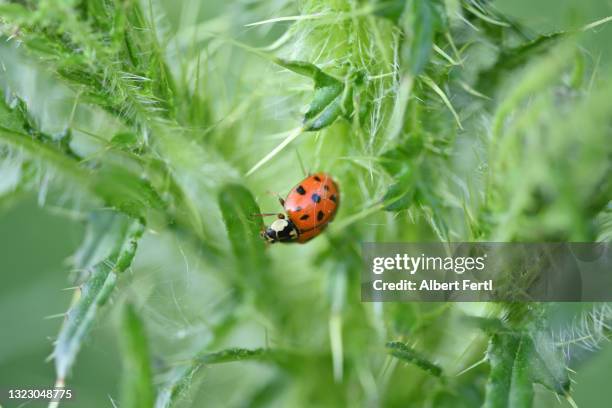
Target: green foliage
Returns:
[234, 354]
[441, 121]
[406, 353]
[327, 102]
[421, 20]
[243, 223]
[516, 363]
[99, 274]
[137, 390]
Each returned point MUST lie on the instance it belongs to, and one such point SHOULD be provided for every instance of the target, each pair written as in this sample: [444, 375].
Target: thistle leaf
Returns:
[175, 383]
[137, 390]
[94, 293]
[400, 195]
[517, 361]
[406, 353]
[239, 211]
[420, 21]
[233, 354]
[327, 103]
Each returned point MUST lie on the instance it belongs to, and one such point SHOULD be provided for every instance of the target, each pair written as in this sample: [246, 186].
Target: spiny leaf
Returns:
[420, 21]
[400, 195]
[233, 354]
[509, 384]
[390, 9]
[175, 383]
[398, 163]
[11, 117]
[513, 58]
[176, 380]
[328, 102]
[408, 354]
[146, 54]
[94, 294]
[119, 187]
[517, 361]
[103, 230]
[301, 67]
[326, 106]
[180, 377]
[239, 211]
[127, 141]
[137, 390]
[486, 324]
[82, 56]
[127, 192]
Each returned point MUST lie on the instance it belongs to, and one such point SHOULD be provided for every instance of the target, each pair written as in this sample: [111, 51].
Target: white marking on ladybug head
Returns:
[279, 225]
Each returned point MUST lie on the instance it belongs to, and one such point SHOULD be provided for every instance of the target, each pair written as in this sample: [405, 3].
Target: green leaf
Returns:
[548, 365]
[176, 382]
[398, 162]
[420, 22]
[486, 324]
[517, 361]
[328, 102]
[300, 67]
[239, 209]
[408, 354]
[400, 195]
[326, 105]
[103, 231]
[233, 354]
[127, 141]
[11, 118]
[126, 191]
[511, 59]
[390, 9]
[137, 390]
[179, 378]
[121, 188]
[94, 292]
[509, 384]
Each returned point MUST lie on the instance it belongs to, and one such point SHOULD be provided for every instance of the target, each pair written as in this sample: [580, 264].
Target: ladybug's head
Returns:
[281, 230]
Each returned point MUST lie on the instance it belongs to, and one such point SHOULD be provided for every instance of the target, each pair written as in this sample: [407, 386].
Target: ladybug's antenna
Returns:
[297, 153]
[264, 215]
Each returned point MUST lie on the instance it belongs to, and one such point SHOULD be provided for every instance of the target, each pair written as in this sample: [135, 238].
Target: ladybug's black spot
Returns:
[320, 215]
[315, 198]
[317, 178]
[333, 198]
[304, 217]
[300, 190]
[326, 187]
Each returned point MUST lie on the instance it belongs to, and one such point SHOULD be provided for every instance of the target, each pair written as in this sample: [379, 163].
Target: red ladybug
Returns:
[310, 206]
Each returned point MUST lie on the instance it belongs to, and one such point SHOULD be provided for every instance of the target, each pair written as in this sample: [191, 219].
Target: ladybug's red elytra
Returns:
[310, 206]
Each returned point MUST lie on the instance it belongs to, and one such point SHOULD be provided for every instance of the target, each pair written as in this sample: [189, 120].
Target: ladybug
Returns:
[309, 206]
